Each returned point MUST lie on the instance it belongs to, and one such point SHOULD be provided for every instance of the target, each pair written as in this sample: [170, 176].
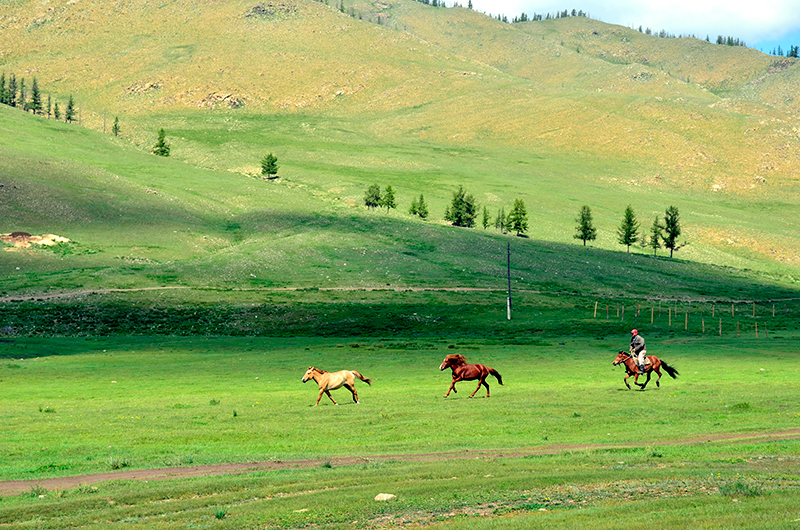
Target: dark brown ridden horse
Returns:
[468, 372]
[653, 364]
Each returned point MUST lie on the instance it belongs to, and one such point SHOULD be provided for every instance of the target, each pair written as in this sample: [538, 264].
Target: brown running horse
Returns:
[653, 364]
[328, 381]
[468, 372]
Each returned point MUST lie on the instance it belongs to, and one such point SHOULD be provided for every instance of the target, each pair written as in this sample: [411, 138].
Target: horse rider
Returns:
[638, 349]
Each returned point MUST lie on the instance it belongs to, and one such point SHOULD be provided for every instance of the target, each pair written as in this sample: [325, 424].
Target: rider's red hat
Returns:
[634, 331]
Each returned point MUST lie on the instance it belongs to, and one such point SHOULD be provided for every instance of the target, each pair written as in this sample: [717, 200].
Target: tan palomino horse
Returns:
[328, 381]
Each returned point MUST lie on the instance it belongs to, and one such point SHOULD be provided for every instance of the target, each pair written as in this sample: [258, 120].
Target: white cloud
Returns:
[753, 22]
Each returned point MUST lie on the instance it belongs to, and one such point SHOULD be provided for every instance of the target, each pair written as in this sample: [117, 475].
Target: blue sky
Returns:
[762, 25]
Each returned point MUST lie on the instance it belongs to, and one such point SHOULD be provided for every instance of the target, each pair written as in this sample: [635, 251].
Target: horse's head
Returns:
[621, 358]
[454, 359]
[309, 375]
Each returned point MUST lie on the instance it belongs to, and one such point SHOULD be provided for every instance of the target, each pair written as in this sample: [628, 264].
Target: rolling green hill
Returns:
[559, 113]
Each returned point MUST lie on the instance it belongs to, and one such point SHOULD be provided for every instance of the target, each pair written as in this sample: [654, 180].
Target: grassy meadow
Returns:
[103, 404]
[172, 331]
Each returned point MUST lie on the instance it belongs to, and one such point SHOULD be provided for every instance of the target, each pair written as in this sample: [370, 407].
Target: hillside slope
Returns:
[561, 113]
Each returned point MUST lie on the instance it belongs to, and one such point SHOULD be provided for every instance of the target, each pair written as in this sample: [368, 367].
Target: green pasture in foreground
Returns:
[103, 403]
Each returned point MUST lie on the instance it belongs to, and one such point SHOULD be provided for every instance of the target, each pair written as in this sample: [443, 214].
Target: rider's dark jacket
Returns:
[637, 343]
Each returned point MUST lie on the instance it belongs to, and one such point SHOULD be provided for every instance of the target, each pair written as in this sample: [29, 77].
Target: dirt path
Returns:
[20, 486]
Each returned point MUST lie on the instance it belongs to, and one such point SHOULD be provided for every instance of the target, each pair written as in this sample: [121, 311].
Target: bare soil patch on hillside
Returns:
[14, 487]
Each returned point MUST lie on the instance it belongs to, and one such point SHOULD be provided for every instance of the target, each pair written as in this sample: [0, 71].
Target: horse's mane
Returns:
[318, 370]
[457, 357]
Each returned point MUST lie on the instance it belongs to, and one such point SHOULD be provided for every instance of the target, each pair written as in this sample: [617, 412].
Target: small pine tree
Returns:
[485, 217]
[11, 93]
[585, 230]
[500, 220]
[56, 111]
[49, 106]
[672, 229]
[162, 147]
[116, 129]
[372, 199]
[422, 207]
[413, 209]
[655, 236]
[628, 231]
[387, 199]
[36, 98]
[3, 88]
[269, 165]
[69, 114]
[22, 98]
[462, 210]
[517, 219]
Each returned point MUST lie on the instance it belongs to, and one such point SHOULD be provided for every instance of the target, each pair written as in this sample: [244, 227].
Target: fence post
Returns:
[720, 326]
[756, 329]
[595, 310]
[623, 313]
[703, 321]
[669, 312]
[652, 311]
[754, 310]
[737, 328]
[686, 321]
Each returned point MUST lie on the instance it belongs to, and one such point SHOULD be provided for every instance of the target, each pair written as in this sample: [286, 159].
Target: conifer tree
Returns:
[485, 217]
[655, 236]
[387, 199]
[116, 129]
[49, 106]
[22, 98]
[3, 88]
[422, 208]
[69, 114]
[517, 219]
[36, 98]
[56, 112]
[500, 220]
[672, 229]
[11, 93]
[372, 199]
[585, 230]
[628, 231]
[269, 165]
[162, 147]
[462, 210]
[413, 208]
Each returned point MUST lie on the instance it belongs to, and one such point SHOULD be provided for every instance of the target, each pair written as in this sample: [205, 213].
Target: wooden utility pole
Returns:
[508, 268]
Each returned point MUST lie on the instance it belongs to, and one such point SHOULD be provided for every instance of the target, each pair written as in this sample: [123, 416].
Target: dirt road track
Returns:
[20, 486]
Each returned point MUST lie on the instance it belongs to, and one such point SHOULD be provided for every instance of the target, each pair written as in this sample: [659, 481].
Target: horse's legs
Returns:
[352, 389]
[321, 391]
[646, 381]
[658, 381]
[330, 396]
[481, 381]
[453, 386]
[626, 381]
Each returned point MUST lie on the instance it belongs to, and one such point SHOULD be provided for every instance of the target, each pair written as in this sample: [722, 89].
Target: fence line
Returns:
[693, 309]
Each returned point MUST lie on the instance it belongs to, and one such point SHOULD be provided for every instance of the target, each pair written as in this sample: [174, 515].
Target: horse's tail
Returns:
[496, 374]
[367, 380]
[673, 373]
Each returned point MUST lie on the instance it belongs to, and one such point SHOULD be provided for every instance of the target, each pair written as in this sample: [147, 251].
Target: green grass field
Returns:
[172, 331]
[96, 405]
